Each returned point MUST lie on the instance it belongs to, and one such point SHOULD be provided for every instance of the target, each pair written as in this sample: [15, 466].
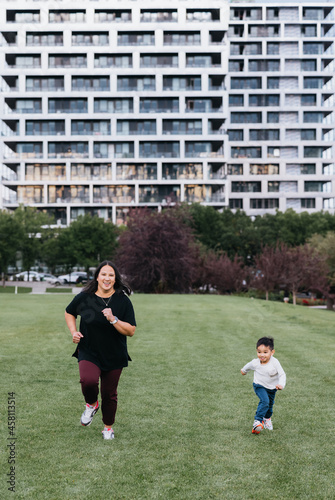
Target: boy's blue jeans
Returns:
[266, 401]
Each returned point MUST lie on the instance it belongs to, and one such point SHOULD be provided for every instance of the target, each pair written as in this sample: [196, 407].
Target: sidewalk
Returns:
[39, 287]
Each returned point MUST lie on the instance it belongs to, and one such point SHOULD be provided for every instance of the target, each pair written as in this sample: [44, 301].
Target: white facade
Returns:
[110, 105]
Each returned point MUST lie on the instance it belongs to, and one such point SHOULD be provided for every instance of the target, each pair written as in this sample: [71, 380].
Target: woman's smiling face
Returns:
[106, 279]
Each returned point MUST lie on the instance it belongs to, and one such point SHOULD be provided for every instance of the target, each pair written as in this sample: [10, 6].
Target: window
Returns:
[313, 83]
[236, 100]
[182, 171]
[308, 134]
[202, 15]
[313, 117]
[159, 149]
[68, 149]
[67, 61]
[264, 135]
[238, 152]
[236, 203]
[90, 127]
[159, 105]
[245, 83]
[246, 187]
[181, 38]
[67, 16]
[140, 171]
[136, 38]
[313, 48]
[319, 186]
[264, 100]
[113, 60]
[136, 83]
[122, 105]
[203, 60]
[307, 202]
[235, 135]
[92, 83]
[131, 127]
[308, 65]
[67, 105]
[44, 38]
[308, 100]
[44, 83]
[268, 169]
[23, 16]
[158, 15]
[90, 171]
[192, 82]
[109, 16]
[86, 38]
[247, 117]
[235, 169]
[159, 60]
[264, 203]
[45, 127]
[186, 127]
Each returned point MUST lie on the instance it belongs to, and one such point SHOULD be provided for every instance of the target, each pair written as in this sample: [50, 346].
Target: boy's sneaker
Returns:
[87, 416]
[108, 433]
[257, 427]
[268, 424]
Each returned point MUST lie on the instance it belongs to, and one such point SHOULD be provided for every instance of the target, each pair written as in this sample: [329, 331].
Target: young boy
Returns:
[268, 377]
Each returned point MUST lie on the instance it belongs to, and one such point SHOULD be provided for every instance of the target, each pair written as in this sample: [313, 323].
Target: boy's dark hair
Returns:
[267, 341]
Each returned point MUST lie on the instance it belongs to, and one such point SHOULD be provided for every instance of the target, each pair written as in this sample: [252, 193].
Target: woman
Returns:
[107, 319]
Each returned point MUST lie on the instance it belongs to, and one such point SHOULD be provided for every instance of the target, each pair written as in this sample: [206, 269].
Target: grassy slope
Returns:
[183, 428]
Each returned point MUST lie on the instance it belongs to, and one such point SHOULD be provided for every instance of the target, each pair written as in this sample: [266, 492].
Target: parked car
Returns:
[33, 276]
[50, 278]
[75, 277]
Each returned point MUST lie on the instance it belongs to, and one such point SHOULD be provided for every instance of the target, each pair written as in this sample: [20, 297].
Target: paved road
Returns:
[39, 287]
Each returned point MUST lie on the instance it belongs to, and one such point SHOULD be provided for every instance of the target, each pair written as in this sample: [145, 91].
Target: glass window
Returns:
[236, 100]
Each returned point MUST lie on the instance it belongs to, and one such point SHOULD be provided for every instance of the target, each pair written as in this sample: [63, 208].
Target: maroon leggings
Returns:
[89, 379]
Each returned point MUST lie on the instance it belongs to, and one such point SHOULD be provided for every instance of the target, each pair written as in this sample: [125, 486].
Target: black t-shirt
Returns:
[102, 344]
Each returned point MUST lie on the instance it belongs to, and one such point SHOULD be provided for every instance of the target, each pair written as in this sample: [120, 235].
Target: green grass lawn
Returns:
[183, 427]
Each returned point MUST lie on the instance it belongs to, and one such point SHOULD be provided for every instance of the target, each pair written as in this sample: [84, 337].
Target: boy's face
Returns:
[264, 353]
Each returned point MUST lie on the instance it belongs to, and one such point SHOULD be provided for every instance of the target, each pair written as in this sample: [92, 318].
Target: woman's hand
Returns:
[121, 326]
[76, 336]
[108, 313]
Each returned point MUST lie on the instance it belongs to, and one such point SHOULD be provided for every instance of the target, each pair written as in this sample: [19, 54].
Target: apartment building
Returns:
[107, 105]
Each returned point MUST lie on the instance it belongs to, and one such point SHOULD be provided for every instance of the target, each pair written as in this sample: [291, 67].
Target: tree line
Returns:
[182, 249]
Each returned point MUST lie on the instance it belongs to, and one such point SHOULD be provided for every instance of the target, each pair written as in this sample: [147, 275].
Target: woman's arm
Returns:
[121, 326]
[71, 324]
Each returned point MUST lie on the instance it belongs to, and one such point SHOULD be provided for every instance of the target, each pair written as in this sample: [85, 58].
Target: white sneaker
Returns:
[87, 416]
[268, 424]
[108, 433]
[257, 427]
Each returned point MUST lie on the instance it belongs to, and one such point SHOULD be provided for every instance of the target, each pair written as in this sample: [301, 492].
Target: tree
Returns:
[87, 241]
[268, 269]
[10, 241]
[32, 224]
[325, 245]
[224, 274]
[305, 269]
[157, 252]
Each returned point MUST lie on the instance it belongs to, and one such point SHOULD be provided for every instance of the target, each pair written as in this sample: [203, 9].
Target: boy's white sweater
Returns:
[268, 375]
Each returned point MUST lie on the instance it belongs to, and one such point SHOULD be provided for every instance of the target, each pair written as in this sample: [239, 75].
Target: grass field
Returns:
[183, 428]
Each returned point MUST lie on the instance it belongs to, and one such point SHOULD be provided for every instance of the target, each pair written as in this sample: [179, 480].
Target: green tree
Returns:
[11, 235]
[88, 240]
[33, 223]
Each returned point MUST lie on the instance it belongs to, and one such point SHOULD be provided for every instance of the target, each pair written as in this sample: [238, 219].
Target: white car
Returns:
[50, 278]
[75, 277]
[33, 276]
